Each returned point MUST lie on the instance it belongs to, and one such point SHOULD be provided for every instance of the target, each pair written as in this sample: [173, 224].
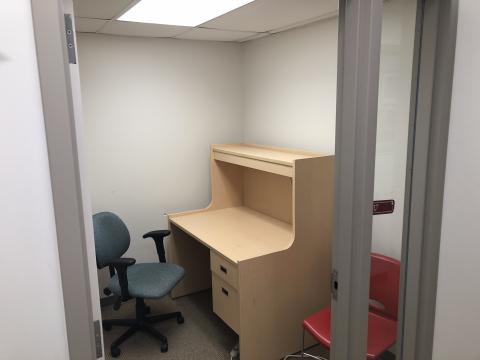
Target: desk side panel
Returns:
[278, 291]
[183, 249]
[227, 185]
[194, 257]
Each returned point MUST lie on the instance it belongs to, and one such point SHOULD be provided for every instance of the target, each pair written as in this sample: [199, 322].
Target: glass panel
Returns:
[397, 53]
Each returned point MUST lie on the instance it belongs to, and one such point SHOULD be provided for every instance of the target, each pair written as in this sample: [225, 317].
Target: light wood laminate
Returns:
[269, 226]
[280, 169]
[225, 303]
[264, 153]
[224, 269]
[238, 233]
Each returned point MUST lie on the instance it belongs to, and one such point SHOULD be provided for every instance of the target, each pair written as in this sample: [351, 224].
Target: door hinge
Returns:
[98, 339]
[334, 284]
[70, 36]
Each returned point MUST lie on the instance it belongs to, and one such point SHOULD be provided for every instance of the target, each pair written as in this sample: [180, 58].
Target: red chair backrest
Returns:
[384, 285]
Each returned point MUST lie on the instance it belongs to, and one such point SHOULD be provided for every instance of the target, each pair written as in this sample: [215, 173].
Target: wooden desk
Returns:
[238, 233]
[262, 245]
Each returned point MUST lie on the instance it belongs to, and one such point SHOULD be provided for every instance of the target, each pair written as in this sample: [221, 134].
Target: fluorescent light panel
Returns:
[180, 12]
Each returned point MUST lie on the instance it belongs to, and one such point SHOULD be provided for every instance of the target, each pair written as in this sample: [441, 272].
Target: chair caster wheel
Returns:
[107, 327]
[115, 352]
[147, 310]
[164, 347]
[180, 319]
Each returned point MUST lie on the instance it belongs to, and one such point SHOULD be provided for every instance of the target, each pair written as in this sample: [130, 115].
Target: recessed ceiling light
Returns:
[180, 12]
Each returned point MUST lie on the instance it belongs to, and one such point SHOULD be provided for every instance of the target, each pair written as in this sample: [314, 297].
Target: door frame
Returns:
[430, 119]
[359, 29]
[66, 176]
[359, 43]
[359, 35]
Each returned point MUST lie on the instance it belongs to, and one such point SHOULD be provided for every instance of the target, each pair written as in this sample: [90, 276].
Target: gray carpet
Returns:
[203, 336]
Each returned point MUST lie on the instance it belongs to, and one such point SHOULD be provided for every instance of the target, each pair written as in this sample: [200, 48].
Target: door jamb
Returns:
[426, 177]
[360, 28]
[58, 112]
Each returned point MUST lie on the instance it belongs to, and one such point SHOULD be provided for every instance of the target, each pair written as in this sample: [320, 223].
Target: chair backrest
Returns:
[384, 285]
[112, 238]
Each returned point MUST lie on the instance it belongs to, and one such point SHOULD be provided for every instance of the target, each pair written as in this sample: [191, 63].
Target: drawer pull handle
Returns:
[223, 269]
[225, 291]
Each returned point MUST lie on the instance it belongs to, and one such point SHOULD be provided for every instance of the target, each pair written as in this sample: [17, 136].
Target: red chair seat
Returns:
[382, 331]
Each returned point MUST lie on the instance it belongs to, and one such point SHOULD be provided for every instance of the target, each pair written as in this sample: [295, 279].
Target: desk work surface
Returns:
[237, 233]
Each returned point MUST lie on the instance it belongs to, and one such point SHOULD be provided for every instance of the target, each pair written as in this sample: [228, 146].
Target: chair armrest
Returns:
[121, 265]
[158, 236]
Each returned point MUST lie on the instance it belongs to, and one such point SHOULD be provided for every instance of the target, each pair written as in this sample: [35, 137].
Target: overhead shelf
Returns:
[277, 161]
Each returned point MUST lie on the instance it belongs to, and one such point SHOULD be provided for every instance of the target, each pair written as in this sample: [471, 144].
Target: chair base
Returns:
[141, 323]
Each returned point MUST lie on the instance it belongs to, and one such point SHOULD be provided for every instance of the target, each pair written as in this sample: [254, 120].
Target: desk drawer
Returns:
[224, 269]
[225, 303]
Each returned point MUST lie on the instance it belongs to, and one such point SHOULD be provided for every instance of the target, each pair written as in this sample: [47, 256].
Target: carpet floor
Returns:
[203, 336]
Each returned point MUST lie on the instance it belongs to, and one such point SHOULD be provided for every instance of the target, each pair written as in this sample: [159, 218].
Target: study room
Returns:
[208, 141]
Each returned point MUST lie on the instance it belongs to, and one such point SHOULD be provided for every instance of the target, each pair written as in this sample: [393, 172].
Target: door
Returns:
[59, 81]
[86, 198]
[392, 115]
[372, 147]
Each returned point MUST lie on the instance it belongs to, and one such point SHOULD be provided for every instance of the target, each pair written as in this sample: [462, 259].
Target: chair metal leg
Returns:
[114, 348]
[156, 335]
[118, 322]
[127, 334]
[303, 344]
[302, 354]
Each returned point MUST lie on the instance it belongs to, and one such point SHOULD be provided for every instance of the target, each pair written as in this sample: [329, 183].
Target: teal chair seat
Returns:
[149, 281]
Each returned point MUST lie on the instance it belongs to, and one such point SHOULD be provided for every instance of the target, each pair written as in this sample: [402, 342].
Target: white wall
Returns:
[458, 295]
[290, 101]
[32, 320]
[152, 108]
[290, 88]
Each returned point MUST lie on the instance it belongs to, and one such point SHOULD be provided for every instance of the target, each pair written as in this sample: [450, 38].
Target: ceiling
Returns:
[256, 19]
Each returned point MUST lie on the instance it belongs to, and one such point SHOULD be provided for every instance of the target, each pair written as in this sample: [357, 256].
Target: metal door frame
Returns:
[62, 144]
[357, 101]
[430, 119]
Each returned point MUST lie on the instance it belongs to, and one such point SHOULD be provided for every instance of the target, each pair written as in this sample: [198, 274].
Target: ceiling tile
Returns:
[88, 25]
[141, 29]
[99, 9]
[215, 35]
[268, 15]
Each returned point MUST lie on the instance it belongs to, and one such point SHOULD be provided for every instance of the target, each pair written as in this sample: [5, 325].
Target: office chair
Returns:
[382, 314]
[129, 280]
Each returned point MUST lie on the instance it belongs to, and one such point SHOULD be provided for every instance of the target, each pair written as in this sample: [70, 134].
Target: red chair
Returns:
[382, 315]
